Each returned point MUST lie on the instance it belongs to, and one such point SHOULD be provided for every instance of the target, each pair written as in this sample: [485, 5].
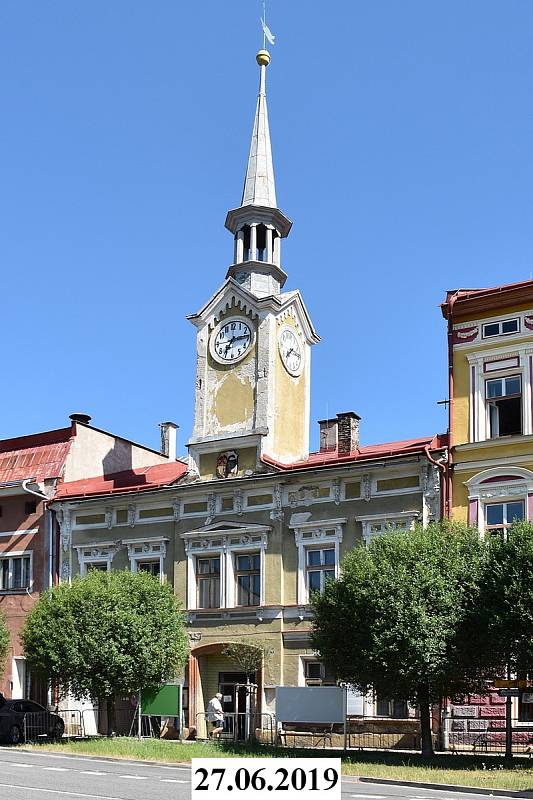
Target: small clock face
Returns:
[231, 340]
[291, 350]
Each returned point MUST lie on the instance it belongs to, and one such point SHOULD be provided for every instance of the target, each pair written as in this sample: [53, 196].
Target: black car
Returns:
[25, 720]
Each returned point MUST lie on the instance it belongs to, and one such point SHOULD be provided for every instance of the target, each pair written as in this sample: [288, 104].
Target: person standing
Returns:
[215, 715]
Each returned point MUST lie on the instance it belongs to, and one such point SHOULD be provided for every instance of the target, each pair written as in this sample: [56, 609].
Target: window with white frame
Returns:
[97, 566]
[15, 571]
[208, 582]
[502, 328]
[98, 556]
[500, 516]
[318, 546]
[226, 566]
[247, 579]
[504, 406]
[377, 525]
[319, 568]
[151, 567]
[147, 555]
[316, 673]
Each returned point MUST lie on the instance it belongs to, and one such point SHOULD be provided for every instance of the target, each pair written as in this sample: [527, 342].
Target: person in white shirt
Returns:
[215, 715]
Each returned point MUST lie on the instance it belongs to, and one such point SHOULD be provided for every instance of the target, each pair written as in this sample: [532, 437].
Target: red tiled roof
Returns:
[486, 299]
[134, 480]
[38, 456]
[371, 451]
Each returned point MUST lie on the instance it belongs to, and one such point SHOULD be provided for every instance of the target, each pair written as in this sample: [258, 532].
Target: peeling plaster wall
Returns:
[230, 391]
[291, 418]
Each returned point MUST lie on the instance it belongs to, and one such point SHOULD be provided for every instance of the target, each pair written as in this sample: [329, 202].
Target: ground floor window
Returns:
[395, 709]
[318, 674]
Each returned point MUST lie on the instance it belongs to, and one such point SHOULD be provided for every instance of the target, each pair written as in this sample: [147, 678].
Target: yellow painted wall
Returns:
[231, 389]
[289, 409]
[460, 491]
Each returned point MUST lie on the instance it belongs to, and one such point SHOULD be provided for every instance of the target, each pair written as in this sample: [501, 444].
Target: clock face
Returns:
[291, 350]
[231, 340]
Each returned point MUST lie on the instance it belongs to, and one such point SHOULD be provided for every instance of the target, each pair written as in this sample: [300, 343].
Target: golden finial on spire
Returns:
[263, 58]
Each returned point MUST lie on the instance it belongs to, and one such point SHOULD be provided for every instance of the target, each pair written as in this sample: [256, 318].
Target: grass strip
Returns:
[487, 772]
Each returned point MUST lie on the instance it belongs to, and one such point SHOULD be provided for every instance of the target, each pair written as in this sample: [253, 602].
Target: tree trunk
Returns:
[110, 707]
[425, 720]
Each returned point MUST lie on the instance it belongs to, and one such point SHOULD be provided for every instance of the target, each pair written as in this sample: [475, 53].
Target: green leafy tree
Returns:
[503, 626]
[4, 642]
[249, 657]
[394, 620]
[106, 636]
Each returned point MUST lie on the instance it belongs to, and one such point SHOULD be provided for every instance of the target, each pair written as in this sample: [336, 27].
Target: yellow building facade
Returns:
[490, 337]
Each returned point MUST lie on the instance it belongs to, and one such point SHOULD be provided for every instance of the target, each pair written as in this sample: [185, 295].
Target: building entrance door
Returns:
[233, 702]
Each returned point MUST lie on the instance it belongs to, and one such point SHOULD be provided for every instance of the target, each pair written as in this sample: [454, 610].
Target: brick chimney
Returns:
[168, 439]
[347, 432]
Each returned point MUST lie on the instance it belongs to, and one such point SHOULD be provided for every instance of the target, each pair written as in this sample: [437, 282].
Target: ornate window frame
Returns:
[311, 534]
[367, 521]
[96, 554]
[478, 409]
[149, 549]
[498, 484]
[227, 541]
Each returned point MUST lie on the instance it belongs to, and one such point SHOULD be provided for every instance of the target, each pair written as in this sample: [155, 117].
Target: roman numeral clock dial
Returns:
[291, 350]
[231, 340]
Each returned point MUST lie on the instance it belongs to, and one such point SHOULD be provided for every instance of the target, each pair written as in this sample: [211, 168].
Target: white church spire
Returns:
[257, 224]
[259, 186]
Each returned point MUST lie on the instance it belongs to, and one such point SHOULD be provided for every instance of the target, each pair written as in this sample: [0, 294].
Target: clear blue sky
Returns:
[402, 139]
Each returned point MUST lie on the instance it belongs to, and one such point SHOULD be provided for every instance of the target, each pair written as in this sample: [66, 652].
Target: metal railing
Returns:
[42, 724]
[474, 735]
[240, 727]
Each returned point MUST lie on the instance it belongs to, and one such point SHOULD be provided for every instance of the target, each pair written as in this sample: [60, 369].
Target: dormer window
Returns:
[504, 403]
[503, 328]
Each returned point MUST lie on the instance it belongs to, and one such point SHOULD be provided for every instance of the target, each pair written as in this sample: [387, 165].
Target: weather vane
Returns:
[268, 36]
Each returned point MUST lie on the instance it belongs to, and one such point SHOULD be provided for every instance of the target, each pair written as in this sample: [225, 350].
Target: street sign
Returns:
[512, 683]
[509, 692]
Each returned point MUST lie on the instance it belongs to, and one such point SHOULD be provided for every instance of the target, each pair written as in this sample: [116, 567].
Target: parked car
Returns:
[25, 719]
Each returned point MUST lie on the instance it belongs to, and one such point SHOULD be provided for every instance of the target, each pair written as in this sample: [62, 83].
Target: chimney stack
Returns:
[347, 432]
[328, 435]
[79, 417]
[168, 439]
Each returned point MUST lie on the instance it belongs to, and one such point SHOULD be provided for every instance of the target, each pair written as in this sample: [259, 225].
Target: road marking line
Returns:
[135, 777]
[171, 780]
[110, 761]
[92, 772]
[14, 764]
[370, 796]
[59, 791]
[56, 769]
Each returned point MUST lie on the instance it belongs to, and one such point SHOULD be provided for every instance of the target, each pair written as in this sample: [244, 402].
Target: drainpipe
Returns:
[449, 498]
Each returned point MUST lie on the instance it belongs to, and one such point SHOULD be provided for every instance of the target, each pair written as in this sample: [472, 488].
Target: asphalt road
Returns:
[45, 776]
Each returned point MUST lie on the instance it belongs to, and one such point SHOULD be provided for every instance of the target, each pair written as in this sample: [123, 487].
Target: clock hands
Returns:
[235, 339]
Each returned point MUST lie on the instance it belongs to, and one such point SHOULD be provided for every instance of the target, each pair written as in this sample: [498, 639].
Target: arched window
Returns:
[498, 497]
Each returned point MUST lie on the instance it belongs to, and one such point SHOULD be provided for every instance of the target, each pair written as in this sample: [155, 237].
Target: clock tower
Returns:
[253, 339]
